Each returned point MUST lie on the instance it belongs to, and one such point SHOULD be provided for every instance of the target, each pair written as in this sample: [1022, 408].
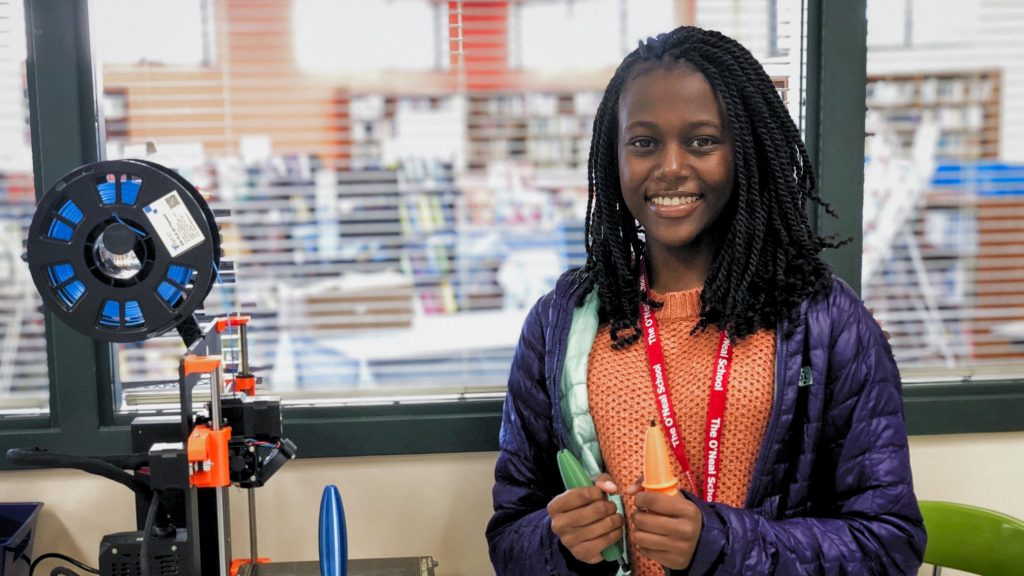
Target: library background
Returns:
[397, 206]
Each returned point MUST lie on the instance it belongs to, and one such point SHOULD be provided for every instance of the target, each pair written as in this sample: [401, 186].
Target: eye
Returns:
[703, 142]
[642, 142]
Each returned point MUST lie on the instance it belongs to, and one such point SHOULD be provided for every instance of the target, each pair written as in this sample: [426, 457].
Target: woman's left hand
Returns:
[665, 528]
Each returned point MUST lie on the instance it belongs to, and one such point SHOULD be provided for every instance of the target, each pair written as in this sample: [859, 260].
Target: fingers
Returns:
[676, 505]
[666, 528]
[585, 522]
[574, 508]
[576, 498]
[672, 527]
[605, 483]
[673, 554]
[587, 541]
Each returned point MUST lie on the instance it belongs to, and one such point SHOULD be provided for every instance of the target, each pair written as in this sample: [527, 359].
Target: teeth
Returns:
[673, 200]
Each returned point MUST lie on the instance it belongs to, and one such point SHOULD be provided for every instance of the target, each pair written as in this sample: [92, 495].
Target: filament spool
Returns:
[123, 250]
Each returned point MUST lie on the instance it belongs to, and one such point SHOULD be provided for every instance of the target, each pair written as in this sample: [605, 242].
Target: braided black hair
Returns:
[769, 261]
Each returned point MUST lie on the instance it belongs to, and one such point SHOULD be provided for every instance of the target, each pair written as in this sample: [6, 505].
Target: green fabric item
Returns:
[575, 402]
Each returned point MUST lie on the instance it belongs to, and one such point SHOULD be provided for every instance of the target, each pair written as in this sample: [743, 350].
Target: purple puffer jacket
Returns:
[831, 491]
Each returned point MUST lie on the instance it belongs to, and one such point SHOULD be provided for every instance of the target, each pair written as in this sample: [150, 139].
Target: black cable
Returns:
[48, 555]
[63, 571]
[37, 458]
[127, 461]
[147, 535]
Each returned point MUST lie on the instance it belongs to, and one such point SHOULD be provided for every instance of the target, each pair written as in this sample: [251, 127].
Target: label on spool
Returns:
[174, 224]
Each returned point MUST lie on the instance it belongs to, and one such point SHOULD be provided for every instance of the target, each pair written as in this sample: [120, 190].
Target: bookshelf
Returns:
[951, 280]
[964, 106]
[546, 129]
[427, 215]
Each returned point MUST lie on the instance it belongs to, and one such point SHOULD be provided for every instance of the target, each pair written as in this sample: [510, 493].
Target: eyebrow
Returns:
[696, 124]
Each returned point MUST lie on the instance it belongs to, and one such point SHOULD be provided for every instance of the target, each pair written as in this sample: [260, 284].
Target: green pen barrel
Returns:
[575, 476]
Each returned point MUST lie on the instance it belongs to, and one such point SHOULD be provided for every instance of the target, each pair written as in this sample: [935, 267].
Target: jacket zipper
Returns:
[762, 457]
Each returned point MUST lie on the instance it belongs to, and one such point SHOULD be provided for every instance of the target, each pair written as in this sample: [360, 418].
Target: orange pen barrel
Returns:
[658, 475]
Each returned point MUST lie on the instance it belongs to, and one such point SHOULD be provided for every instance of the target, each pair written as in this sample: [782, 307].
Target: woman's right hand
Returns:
[585, 521]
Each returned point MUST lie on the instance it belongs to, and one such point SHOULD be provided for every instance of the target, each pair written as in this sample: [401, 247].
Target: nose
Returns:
[674, 165]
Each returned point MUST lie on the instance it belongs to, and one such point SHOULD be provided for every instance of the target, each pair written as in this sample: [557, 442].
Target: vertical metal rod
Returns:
[222, 530]
[253, 551]
[243, 349]
[216, 382]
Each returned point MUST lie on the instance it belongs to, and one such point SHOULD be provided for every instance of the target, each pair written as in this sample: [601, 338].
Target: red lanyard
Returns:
[663, 399]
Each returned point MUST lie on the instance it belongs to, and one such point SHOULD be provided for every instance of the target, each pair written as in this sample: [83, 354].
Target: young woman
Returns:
[704, 306]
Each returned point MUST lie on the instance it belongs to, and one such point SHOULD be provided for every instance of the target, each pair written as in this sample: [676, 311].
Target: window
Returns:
[158, 32]
[943, 263]
[404, 35]
[478, 161]
[570, 35]
[916, 24]
[24, 386]
[392, 220]
[586, 33]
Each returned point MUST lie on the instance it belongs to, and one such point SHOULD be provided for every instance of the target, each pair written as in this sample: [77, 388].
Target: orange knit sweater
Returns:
[622, 402]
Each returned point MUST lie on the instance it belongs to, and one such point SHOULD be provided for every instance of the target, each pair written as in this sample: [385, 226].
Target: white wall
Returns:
[436, 505]
[979, 469]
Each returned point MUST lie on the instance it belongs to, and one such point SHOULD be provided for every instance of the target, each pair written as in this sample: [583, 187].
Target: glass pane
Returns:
[24, 386]
[393, 216]
[944, 185]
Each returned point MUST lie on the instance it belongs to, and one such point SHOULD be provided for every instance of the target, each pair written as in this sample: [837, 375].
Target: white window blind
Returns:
[393, 216]
[335, 36]
[944, 190]
[161, 32]
[23, 371]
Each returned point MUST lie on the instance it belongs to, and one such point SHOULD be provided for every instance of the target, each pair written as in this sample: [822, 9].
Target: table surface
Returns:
[412, 566]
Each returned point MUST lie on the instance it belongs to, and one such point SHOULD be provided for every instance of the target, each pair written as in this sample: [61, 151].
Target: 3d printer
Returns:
[123, 251]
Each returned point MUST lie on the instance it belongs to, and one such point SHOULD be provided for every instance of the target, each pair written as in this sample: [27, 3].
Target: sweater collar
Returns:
[681, 305]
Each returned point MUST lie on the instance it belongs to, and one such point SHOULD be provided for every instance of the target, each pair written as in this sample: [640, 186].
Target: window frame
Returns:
[63, 113]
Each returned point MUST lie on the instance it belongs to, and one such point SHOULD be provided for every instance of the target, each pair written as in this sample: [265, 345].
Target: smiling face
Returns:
[675, 160]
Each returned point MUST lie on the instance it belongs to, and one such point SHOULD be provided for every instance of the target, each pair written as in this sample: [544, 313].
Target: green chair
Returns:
[973, 539]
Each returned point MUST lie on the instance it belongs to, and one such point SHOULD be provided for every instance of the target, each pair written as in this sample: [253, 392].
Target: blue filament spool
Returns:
[101, 256]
